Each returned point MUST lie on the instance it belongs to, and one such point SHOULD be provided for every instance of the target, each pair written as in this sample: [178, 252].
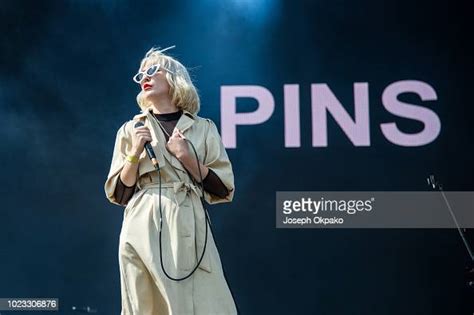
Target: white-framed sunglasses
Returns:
[149, 72]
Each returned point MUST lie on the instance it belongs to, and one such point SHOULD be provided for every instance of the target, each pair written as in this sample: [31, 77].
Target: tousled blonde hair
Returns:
[182, 90]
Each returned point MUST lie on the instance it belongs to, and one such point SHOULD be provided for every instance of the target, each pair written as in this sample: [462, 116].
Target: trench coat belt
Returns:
[178, 187]
[181, 189]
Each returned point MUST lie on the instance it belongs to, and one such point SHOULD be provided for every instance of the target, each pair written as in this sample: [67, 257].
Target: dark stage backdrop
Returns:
[66, 88]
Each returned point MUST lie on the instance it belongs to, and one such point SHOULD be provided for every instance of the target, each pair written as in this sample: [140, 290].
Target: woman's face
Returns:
[155, 85]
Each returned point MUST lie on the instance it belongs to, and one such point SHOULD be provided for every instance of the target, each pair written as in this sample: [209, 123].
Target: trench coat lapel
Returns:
[159, 141]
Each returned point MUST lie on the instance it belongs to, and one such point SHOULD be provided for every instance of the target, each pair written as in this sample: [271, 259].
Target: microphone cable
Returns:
[207, 221]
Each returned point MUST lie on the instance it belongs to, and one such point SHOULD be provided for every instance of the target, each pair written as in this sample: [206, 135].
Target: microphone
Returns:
[149, 149]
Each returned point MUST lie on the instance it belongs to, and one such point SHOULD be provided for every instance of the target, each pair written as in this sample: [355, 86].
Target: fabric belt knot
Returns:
[182, 188]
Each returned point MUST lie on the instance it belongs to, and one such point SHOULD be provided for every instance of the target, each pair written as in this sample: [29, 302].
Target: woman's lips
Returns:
[147, 86]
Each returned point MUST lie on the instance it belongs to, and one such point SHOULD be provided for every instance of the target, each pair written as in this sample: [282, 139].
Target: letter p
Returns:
[229, 116]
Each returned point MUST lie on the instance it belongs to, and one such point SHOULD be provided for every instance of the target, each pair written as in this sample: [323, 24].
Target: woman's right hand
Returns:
[140, 136]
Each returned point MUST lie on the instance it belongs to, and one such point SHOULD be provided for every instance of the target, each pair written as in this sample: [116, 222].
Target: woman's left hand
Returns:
[177, 145]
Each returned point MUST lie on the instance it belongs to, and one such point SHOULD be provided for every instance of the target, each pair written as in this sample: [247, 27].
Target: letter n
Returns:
[323, 101]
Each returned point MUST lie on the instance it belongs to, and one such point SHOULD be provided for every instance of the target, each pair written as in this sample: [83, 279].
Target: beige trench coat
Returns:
[145, 289]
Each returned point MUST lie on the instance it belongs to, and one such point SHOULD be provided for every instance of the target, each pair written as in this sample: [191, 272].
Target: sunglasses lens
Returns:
[138, 77]
[152, 70]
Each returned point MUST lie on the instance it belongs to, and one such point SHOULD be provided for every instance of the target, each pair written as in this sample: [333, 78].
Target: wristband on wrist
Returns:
[132, 159]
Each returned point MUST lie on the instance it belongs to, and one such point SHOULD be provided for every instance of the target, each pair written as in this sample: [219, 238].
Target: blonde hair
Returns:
[182, 90]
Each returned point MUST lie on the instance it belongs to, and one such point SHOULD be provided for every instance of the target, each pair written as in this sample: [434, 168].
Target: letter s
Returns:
[426, 116]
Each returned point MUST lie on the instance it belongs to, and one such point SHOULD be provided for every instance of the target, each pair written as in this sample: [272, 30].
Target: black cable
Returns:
[161, 219]
[207, 221]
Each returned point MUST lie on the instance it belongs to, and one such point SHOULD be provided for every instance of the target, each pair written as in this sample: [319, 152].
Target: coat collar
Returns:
[186, 120]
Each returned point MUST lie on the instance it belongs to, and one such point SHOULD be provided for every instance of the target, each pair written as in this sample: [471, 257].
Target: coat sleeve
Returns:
[217, 160]
[122, 147]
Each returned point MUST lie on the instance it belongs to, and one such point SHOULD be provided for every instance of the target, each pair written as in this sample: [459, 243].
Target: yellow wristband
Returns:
[132, 159]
